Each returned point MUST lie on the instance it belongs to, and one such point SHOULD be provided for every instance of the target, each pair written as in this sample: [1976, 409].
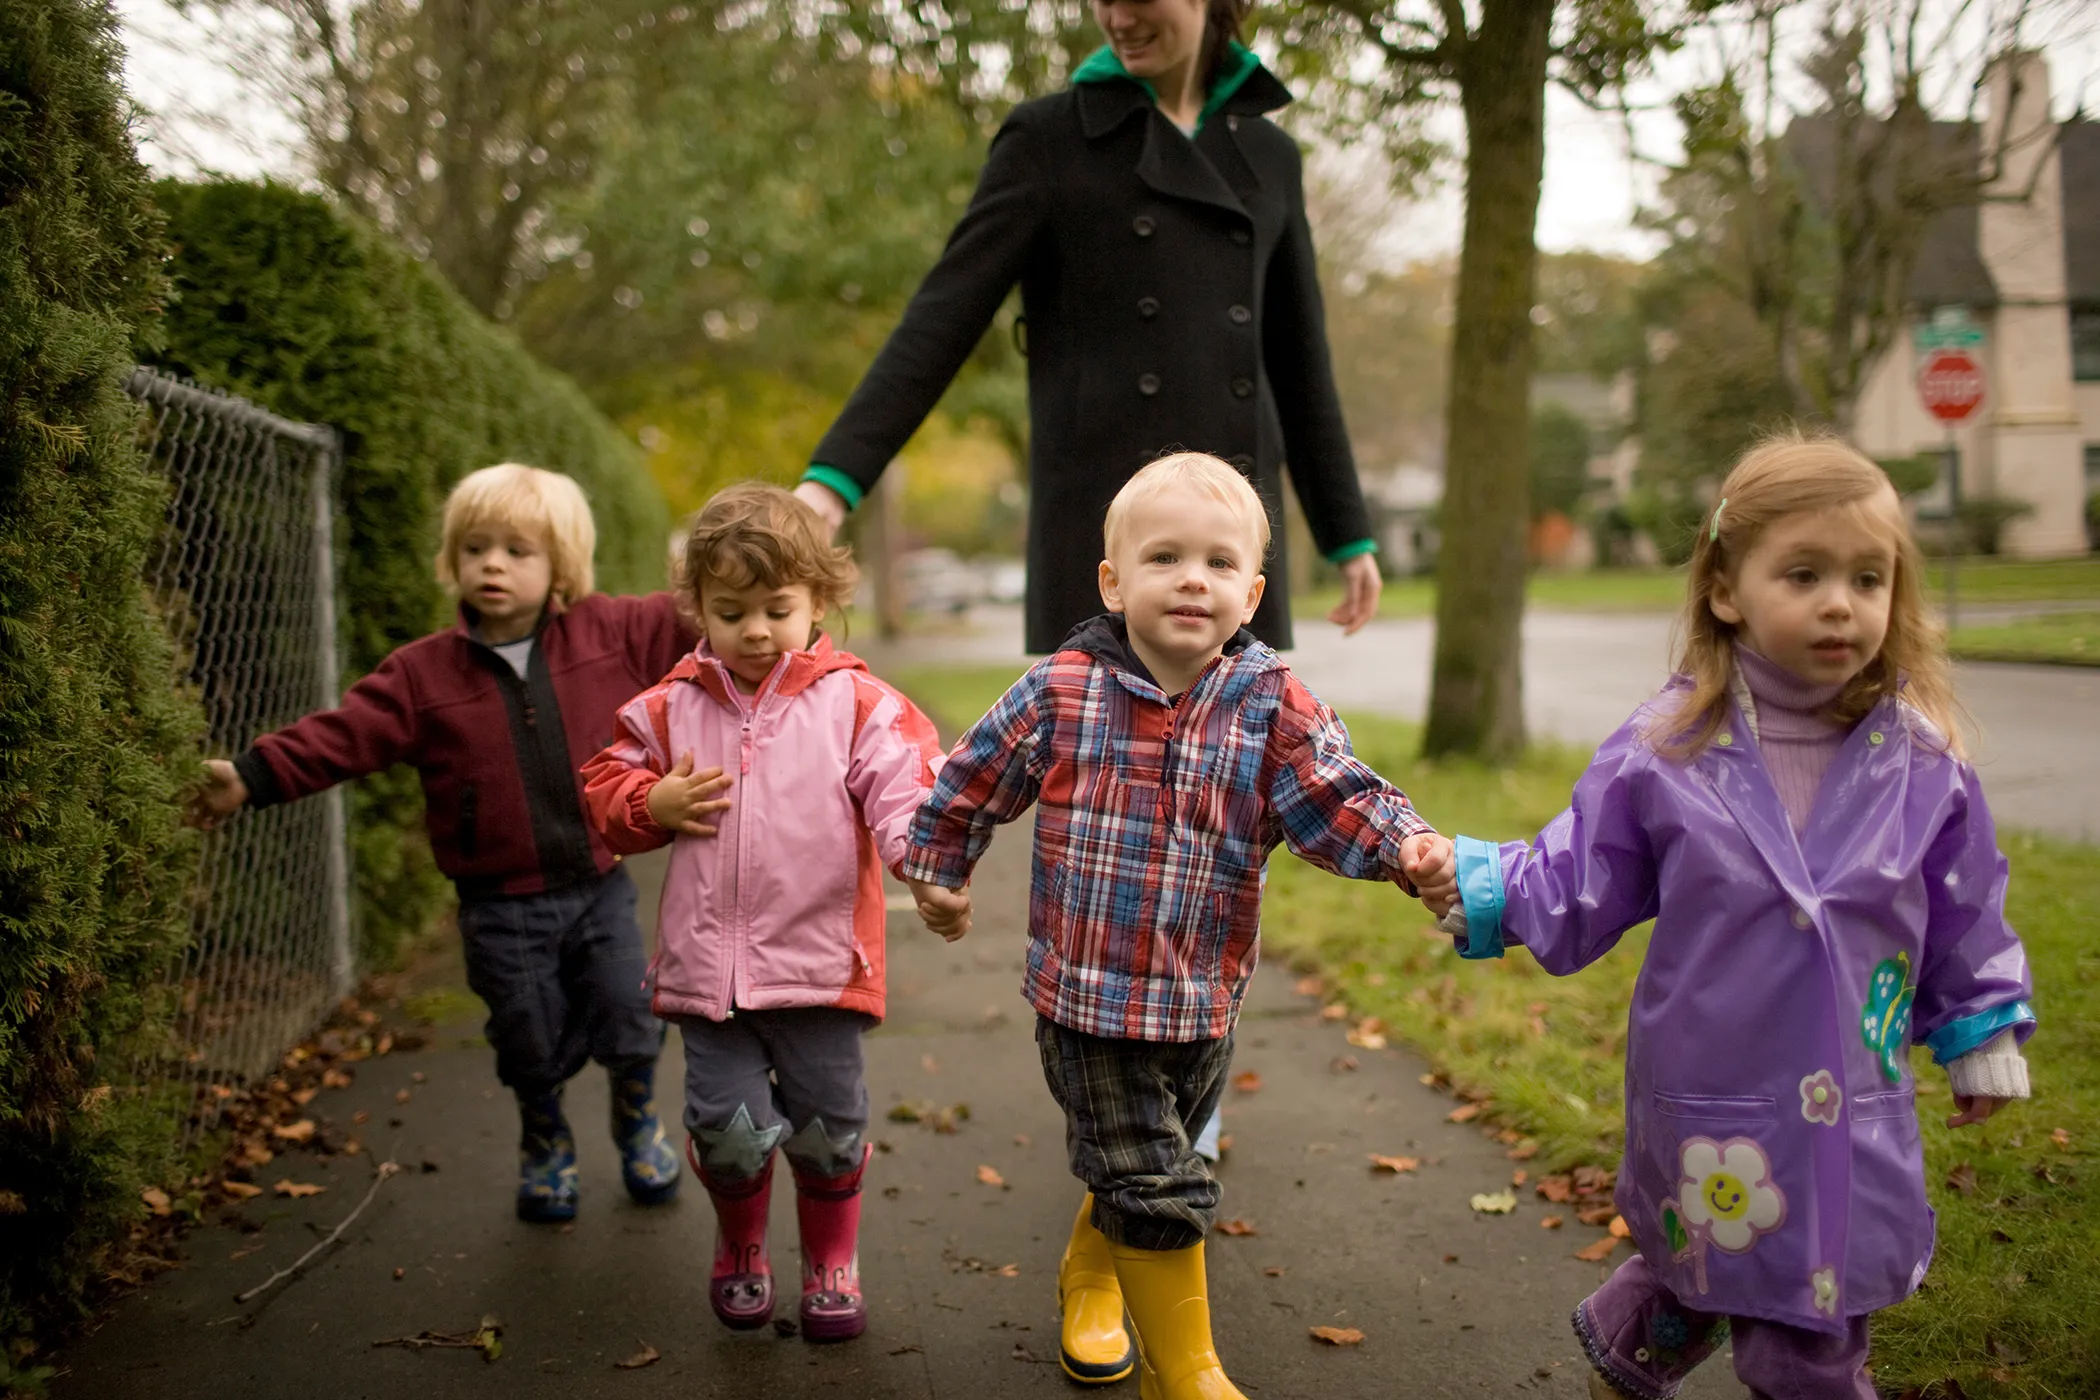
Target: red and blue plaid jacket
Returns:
[1144, 909]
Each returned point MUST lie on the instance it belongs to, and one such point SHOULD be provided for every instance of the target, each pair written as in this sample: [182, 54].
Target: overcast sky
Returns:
[202, 117]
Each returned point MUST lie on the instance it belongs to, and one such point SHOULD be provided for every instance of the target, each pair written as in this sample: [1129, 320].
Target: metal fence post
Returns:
[343, 964]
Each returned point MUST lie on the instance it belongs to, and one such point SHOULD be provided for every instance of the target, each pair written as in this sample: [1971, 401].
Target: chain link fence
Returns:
[244, 573]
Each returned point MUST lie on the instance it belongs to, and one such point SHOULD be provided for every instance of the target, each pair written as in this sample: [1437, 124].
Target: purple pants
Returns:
[1645, 1342]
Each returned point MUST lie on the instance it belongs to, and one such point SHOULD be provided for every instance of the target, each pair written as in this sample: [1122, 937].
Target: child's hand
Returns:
[222, 795]
[944, 911]
[683, 800]
[1974, 1109]
[1428, 860]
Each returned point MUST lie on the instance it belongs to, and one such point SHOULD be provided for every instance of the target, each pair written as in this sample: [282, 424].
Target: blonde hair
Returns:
[544, 504]
[1790, 474]
[1191, 471]
[754, 535]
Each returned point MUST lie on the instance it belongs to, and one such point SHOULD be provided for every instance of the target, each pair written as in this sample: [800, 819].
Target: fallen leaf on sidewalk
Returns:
[1006, 1271]
[305, 1096]
[1341, 1064]
[990, 1177]
[1309, 986]
[1550, 1222]
[1524, 1151]
[1395, 1165]
[1619, 1228]
[1333, 1011]
[1519, 1177]
[1592, 1253]
[909, 1348]
[1337, 1336]
[1021, 1139]
[1247, 1081]
[240, 1190]
[1557, 1189]
[1597, 1215]
[1464, 1113]
[361, 1117]
[1495, 1203]
[333, 1078]
[911, 1112]
[1236, 1227]
[2061, 1138]
[1275, 1271]
[295, 1189]
[929, 1064]
[301, 1131]
[156, 1200]
[401, 1096]
[647, 1356]
[1368, 1034]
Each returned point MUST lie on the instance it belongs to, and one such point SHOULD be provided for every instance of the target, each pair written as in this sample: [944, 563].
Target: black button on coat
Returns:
[1172, 303]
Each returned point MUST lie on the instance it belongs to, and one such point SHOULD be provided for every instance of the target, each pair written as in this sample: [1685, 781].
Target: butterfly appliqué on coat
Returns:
[1885, 1021]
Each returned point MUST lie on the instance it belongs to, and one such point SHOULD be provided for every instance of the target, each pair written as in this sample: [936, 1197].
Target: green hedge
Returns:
[95, 738]
[281, 298]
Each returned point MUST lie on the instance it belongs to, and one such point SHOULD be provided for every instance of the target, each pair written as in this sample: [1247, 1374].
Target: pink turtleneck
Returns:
[1796, 737]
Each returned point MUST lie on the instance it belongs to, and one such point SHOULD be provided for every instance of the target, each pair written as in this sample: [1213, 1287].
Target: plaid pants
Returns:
[1131, 1107]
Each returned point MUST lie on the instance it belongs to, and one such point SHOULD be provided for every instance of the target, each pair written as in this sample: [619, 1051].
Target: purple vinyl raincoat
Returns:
[1772, 1160]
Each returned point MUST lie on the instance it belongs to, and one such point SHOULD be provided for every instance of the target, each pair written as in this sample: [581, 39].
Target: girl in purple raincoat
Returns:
[1793, 812]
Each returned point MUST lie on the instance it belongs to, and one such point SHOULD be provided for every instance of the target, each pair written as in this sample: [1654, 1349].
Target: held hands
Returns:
[222, 795]
[1974, 1109]
[1428, 860]
[683, 801]
[943, 911]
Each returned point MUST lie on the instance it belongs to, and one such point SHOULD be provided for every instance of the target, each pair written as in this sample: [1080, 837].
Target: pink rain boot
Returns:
[741, 1289]
[828, 1209]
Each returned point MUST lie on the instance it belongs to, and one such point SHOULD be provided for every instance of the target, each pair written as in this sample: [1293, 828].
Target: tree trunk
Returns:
[1476, 702]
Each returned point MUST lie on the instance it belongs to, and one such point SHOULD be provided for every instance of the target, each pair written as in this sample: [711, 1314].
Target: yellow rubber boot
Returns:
[1093, 1346]
[1168, 1295]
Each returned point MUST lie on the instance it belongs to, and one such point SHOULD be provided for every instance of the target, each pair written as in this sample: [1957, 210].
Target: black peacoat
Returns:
[1170, 302]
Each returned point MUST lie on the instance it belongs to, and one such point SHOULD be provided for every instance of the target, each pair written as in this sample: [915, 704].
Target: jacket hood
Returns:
[801, 670]
[1106, 638]
[1244, 87]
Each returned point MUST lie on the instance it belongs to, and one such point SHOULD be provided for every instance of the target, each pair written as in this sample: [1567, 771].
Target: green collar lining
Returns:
[1102, 66]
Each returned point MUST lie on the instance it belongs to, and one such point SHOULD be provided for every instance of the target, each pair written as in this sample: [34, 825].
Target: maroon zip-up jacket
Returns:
[498, 755]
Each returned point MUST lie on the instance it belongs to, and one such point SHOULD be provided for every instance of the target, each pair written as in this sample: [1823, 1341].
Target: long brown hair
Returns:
[1788, 474]
[1221, 30]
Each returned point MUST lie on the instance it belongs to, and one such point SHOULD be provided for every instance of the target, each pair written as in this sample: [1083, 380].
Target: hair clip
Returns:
[1715, 532]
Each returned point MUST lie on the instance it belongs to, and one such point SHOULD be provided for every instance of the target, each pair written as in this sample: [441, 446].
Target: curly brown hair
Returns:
[1786, 474]
[754, 535]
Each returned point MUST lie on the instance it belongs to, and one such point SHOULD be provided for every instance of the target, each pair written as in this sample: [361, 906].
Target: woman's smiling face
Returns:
[1152, 37]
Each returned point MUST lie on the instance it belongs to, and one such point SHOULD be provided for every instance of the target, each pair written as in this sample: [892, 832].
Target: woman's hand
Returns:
[827, 503]
[944, 911]
[1361, 586]
[222, 795]
[1974, 1109]
[683, 801]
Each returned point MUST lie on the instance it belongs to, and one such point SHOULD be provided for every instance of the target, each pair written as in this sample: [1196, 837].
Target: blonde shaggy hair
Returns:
[1188, 471]
[1789, 474]
[759, 536]
[545, 505]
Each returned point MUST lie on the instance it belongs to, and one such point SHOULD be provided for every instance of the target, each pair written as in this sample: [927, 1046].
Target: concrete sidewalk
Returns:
[1452, 1303]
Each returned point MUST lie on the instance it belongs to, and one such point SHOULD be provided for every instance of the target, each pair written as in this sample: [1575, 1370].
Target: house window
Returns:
[2085, 344]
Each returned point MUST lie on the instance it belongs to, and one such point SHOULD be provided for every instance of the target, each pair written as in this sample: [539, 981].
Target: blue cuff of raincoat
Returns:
[1958, 1038]
[848, 489]
[1480, 890]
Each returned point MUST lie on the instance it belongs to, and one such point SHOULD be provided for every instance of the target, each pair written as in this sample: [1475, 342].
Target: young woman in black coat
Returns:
[1155, 221]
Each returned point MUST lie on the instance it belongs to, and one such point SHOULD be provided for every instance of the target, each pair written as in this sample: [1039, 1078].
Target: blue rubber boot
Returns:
[546, 1161]
[648, 1166]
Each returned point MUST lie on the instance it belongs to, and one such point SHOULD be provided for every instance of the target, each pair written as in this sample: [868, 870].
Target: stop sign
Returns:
[1950, 384]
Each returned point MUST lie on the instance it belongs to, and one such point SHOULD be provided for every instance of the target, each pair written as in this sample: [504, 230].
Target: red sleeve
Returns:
[654, 632]
[374, 728]
[617, 782]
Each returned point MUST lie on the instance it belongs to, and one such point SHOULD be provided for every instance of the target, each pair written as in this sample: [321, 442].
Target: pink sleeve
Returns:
[617, 782]
[895, 752]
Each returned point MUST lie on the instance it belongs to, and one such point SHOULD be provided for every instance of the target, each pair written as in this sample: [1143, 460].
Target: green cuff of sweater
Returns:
[1347, 551]
[848, 489]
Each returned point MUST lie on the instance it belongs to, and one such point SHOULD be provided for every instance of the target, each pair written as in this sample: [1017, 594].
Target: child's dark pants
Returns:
[789, 1078]
[1131, 1108]
[562, 973]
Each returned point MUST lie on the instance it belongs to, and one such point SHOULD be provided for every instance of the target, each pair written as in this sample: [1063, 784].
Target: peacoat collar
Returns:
[1170, 162]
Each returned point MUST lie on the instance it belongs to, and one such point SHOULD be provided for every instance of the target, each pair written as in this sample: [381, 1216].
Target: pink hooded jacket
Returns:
[784, 906]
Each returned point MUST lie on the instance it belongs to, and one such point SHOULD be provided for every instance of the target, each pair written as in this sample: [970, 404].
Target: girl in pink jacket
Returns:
[770, 940]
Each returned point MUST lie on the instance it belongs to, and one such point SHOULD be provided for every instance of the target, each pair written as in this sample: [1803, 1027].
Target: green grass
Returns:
[1662, 590]
[2014, 1273]
[2014, 1267]
[2070, 639]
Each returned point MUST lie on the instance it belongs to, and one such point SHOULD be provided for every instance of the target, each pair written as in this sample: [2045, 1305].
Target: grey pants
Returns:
[791, 1079]
[562, 975]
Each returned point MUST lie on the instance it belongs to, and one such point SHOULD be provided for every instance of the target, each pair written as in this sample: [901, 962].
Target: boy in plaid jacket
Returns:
[1170, 752]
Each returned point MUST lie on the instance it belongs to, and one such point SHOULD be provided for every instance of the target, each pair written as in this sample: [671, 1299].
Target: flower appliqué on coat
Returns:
[1669, 1331]
[1885, 1020]
[1821, 1098]
[1824, 1281]
[1726, 1191]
